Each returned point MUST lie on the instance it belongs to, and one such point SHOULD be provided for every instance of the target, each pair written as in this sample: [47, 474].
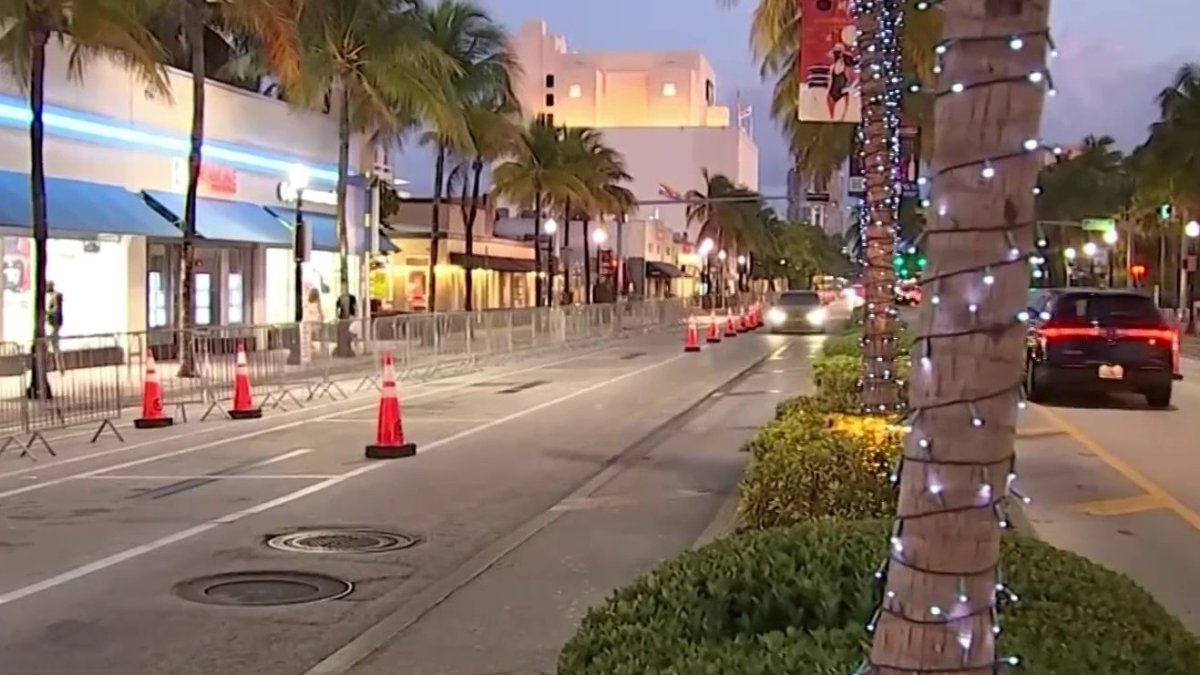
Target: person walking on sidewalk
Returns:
[54, 323]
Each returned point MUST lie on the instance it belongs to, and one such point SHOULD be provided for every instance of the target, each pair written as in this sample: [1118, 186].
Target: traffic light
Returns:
[1137, 272]
[1164, 212]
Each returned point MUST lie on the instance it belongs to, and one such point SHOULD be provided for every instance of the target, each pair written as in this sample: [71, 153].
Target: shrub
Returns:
[848, 343]
[811, 464]
[794, 602]
[836, 379]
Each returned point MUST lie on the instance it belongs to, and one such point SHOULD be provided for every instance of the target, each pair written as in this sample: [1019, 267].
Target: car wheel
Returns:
[1035, 383]
[1159, 397]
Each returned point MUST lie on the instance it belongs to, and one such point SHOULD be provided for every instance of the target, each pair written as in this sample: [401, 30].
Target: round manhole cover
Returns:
[263, 589]
[339, 540]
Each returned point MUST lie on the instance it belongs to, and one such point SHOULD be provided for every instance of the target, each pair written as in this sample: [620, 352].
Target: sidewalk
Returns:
[510, 609]
[1190, 346]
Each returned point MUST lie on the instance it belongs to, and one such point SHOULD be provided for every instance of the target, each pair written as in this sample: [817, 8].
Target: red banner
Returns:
[829, 76]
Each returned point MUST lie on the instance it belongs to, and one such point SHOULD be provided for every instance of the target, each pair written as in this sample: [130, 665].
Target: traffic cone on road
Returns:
[691, 339]
[243, 400]
[743, 321]
[730, 325]
[756, 317]
[714, 329]
[152, 402]
[389, 427]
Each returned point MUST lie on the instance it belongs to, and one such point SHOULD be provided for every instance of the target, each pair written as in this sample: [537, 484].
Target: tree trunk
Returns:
[588, 294]
[943, 572]
[566, 267]
[538, 281]
[186, 305]
[880, 392]
[435, 229]
[39, 385]
[344, 336]
[469, 227]
[620, 257]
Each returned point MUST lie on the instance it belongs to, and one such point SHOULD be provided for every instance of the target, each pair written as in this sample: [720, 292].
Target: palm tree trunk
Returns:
[880, 393]
[620, 257]
[39, 385]
[186, 305]
[435, 229]
[469, 227]
[343, 347]
[588, 295]
[566, 268]
[943, 574]
[538, 281]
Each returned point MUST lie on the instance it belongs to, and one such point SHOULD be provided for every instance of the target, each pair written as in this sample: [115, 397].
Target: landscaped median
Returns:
[793, 591]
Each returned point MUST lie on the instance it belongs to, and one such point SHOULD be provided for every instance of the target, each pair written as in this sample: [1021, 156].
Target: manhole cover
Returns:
[342, 541]
[263, 589]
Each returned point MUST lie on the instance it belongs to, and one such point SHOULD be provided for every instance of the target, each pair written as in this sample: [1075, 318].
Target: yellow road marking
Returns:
[1040, 432]
[1119, 465]
[1121, 507]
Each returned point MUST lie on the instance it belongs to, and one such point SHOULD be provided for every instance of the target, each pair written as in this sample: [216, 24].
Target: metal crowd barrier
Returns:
[96, 379]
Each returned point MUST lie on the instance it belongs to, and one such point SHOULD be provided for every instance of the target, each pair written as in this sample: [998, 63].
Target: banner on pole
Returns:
[830, 91]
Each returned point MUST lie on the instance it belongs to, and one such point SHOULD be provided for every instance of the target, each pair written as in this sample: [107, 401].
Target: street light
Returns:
[1110, 237]
[550, 227]
[1069, 254]
[298, 180]
[707, 246]
[741, 261]
[1089, 249]
[599, 236]
[722, 255]
[1192, 229]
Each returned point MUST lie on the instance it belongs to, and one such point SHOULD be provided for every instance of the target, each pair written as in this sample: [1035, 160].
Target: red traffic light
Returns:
[1138, 271]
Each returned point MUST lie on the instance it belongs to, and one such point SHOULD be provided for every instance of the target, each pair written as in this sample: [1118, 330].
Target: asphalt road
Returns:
[1120, 483]
[98, 547]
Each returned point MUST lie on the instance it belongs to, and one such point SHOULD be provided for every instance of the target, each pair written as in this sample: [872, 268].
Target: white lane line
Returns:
[299, 452]
[162, 542]
[294, 476]
[127, 448]
[415, 420]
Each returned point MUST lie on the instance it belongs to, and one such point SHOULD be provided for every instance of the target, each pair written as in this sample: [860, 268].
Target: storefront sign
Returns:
[214, 178]
[287, 195]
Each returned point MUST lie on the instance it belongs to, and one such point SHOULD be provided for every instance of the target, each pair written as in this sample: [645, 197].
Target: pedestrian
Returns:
[54, 323]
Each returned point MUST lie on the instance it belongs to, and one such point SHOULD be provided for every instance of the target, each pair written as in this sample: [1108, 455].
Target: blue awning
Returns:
[324, 230]
[75, 206]
[224, 220]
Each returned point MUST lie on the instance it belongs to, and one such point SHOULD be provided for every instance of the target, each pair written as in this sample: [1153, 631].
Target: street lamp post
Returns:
[599, 236]
[1110, 238]
[1070, 255]
[550, 227]
[706, 248]
[1190, 232]
[298, 181]
[721, 257]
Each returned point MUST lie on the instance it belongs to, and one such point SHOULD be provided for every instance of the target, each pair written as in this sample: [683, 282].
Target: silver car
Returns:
[798, 312]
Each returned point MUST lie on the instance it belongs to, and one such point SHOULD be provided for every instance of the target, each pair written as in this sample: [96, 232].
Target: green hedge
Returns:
[795, 601]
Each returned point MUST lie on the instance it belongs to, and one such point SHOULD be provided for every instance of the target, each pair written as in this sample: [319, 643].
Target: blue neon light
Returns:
[95, 129]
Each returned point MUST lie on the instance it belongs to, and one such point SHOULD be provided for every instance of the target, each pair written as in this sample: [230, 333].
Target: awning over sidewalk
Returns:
[324, 230]
[76, 206]
[224, 220]
[492, 263]
[662, 270]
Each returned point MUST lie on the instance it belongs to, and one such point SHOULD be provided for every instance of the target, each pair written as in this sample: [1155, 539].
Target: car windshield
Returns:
[1106, 309]
[799, 300]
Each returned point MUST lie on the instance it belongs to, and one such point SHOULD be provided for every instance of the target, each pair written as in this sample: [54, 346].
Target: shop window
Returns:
[90, 275]
[203, 298]
[157, 287]
[236, 312]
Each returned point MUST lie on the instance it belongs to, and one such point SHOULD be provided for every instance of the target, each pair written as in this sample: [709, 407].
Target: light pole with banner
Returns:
[550, 228]
[297, 182]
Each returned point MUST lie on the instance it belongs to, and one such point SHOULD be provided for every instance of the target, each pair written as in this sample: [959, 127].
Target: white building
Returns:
[115, 164]
[659, 109]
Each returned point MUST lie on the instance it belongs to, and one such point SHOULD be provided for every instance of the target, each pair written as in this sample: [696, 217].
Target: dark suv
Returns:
[1100, 340]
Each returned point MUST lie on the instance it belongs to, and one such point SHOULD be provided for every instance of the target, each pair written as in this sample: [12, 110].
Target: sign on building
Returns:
[829, 74]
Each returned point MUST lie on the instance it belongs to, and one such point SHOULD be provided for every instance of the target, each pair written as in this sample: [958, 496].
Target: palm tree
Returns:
[188, 26]
[727, 214]
[493, 132]
[95, 27]
[942, 574]
[371, 59]
[617, 201]
[538, 170]
[479, 47]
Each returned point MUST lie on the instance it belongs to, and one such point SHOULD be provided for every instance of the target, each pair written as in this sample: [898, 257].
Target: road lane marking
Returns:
[299, 452]
[1040, 432]
[213, 477]
[1122, 467]
[137, 551]
[241, 437]
[1121, 507]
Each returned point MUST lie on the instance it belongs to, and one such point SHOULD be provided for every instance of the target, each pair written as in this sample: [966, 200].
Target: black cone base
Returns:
[691, 349]
[252, 414]
[391, 451]
[713, 341]
[153, 422]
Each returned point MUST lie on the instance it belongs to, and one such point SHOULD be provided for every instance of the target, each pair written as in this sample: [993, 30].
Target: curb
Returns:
[1019, 519]
[724, 523]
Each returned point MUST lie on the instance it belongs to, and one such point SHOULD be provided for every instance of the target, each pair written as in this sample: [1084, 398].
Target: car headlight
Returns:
[817, 316]
[776, 316]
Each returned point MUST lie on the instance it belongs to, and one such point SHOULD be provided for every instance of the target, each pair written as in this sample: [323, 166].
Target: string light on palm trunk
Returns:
[993, 480]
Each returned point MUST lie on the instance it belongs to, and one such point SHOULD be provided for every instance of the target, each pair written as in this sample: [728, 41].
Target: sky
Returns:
[1114, 56]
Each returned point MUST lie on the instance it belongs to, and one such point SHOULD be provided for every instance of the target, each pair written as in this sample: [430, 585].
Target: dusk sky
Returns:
[1114, 56]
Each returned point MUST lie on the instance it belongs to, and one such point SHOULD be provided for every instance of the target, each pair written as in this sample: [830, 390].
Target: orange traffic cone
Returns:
[243, 400]
[691, 339]
[389, 427]
[714, 329]
[743, 322]
[756, 321]
[152, 403]
[730, 325]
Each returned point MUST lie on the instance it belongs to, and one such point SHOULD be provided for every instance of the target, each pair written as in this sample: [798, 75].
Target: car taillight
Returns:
[1050, 333]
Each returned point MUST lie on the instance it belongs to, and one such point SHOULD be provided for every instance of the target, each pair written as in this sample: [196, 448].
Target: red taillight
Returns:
[1066, 333]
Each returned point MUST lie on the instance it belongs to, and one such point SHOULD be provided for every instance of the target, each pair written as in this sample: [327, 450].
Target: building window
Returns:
[575, 91]
[710, 92]
[668, 89]
[236, 311]
[549, 100]
[158, 299]
[550, 81]
[203, 299]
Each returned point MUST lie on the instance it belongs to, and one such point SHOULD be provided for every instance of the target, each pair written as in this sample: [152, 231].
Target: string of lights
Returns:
[971, 615]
